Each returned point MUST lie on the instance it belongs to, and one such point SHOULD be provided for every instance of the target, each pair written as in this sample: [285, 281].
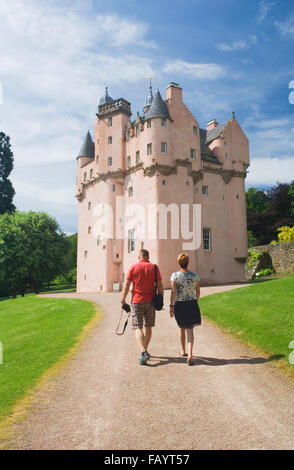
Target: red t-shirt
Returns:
[142, 275]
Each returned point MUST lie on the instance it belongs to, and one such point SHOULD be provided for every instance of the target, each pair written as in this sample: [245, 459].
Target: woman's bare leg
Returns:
[183, 340]
[190, 341]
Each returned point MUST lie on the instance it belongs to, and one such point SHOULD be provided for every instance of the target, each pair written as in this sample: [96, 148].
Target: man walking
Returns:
[142, 275]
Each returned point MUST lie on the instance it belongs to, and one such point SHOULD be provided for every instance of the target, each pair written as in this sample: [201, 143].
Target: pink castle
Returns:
[158, 165]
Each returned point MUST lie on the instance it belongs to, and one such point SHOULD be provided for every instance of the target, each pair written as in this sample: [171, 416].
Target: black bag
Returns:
[158, 298]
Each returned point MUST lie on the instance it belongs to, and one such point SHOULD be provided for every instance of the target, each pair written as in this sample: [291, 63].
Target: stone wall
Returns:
[282, 256]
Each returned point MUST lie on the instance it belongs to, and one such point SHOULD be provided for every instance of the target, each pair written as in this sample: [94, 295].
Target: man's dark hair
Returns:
[144, 254]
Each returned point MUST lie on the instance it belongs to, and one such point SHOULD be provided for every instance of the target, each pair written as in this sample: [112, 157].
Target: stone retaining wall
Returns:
[282, 255]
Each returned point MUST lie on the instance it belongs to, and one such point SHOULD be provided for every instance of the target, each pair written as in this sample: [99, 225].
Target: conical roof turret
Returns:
[105, 98]
[87, 149]
[158, 108]
[149, 98]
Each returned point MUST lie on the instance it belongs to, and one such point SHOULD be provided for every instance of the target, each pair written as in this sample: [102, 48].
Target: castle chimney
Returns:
[174, 92]
[211, 125]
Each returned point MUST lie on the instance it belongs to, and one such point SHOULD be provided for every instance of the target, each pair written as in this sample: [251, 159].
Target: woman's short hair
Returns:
[183, 260]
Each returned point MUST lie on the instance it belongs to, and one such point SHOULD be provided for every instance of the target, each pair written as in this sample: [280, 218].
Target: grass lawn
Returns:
[261, 315]
[35, 333]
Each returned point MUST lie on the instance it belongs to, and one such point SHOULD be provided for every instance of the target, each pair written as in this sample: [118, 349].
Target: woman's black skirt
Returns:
[187, 314]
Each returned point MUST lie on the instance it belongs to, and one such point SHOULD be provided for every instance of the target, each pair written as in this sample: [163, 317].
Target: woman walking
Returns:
[184, 306]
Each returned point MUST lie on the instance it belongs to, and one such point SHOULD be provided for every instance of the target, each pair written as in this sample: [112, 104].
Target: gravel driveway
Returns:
[231, 399]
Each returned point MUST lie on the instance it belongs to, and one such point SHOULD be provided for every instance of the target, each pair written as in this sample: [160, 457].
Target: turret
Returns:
[86, 154]
[112, 119]
[158, 108]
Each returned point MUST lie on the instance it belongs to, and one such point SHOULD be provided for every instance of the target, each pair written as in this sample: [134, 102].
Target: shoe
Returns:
[148, 355]
[144, 358]
[190, 362]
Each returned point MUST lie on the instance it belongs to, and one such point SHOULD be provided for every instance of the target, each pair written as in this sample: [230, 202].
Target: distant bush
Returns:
[253, 257]
[69, 278]
[264, 272]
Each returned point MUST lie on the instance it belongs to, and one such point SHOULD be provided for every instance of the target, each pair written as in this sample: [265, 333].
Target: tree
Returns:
[252, 240]
[267, 211]
[70, 276]
[291, 195]
[6, 165]
[33, 250]
[256, 201]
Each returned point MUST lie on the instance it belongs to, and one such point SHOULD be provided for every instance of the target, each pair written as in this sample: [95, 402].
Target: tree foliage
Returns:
[33, 250]
[6, 165]
[269, 210]
[256, 200]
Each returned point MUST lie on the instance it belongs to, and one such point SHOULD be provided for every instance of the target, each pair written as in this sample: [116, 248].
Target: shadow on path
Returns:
[212, 361]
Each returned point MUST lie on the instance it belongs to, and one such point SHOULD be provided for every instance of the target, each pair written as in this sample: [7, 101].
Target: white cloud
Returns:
[266, 171]
[235, 46]
[286, 28]
[54, 63]
[195, 70]
[264, 7]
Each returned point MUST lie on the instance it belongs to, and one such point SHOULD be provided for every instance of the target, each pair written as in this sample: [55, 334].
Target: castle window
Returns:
[194, 130]
[131, 240]
[113, 188]
[193, 154]
[137, 130]
[91, 173]
[226, 154]
[110, 121]
[129, 162]
[163, 147]
[137, 156]
[225, 143]
[110, 139]
[131, 191]
[163, 122]
[97, 158]
[148, 123]
[98, 240]
[89, 205]
[237, 197]
[89, 230]
[85, 254]
[149, 149]
[207, 239]
[163, 182]
[187, 183]
[128, 135]
[204, 190]
[85, 176]
[85, 277]
[109, 161]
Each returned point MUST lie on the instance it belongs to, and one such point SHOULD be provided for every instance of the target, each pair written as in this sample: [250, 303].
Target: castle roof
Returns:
[158, 108]
[149, 98]
[216, 132]
[206, 153]
[87, 149]
[105, 98]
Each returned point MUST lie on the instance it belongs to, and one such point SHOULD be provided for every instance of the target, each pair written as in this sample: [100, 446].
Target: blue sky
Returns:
[57, 56]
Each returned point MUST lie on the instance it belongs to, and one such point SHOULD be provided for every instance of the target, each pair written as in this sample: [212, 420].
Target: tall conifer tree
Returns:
[6, 165]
